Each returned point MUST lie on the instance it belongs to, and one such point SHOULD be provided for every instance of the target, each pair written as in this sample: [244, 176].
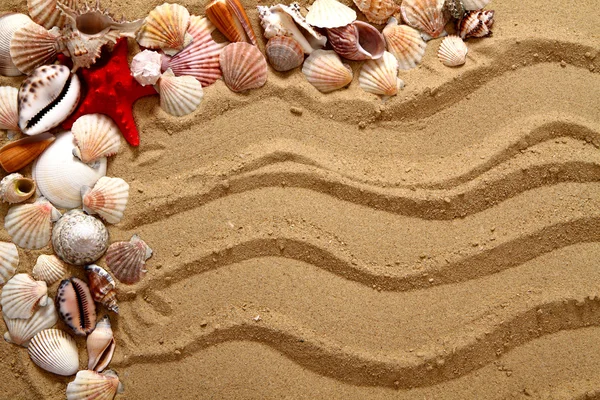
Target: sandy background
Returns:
[443, 244]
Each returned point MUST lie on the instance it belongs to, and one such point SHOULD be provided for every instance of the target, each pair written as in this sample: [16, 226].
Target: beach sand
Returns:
[442, 244]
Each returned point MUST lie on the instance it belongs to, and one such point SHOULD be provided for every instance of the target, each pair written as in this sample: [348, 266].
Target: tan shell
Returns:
[127, 259]
[325, 71]
[108, 198]
[231, 20]
[102, 286]
[29, 225]
[9, 261]
[244, 67]
[22, 295]
[55, 351]
[20, 153]
[90, 385]
[45, 12]
[357, 41]
[405, 43]
[100, 345]
[166, 29]
[15, 188]
[20, 331]
[179, 95]
[49, 269]
[96, 136]
[426, 16]
[329, 14]
[452, 51]
[9, 111]
[9, 24]
[476, 24]
[381, 76]
[377, 11]
[284, 53]
[33, 46]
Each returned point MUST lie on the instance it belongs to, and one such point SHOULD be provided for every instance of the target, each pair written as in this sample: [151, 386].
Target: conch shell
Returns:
[357, 41]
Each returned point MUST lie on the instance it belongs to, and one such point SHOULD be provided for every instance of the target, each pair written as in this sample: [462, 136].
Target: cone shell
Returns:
[9, 24]
[127, 259]
[166, 28]
[33, 46]
[476, 24]
[29, 225]
[426, 16]
[14, 188]
[96, 136]
[100, 345]
[108, 198]
[357, 41]
[22, 295]
[325, 71]
[9, 261]
[49, 269]
[329, 14]
[20, 331]
[90, 385]
[381, 76]
[20, 153]
[474, 4]
[244, 67]
[284, 53]
[452, 51]
[405, 43]
[102, 286]
[231, 20]
[76, 306]
[79, 238]
[55, 351]
[45, 12]
[377, 11]
[9, 111]
[145, 67]
[179, 95]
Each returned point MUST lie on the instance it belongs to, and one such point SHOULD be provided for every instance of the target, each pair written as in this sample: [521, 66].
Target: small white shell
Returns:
[474, 4]
[9, 24]
[166, 28]
[100, 345]
[9, 260]
[96, 136]
[179, 95]
[20, 331]
[330, 14]
[54, 351]
[425, 15]
[29, 225]
[90, 385]
[79, 238]
[14, 188]
[325, 71]
[9, 108]
[381, 76]
[405, 43]
[452, 51]
[108, 198]
[145, 67]
[49, 269]
[22, 295]
[127, 259]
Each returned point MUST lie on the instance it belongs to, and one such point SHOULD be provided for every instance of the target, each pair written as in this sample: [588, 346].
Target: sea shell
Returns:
[20, 331]
[22, 295]
[9, 107]
[76, 306]
[329, 14]
[231, 20]
[9, 24]
[475, 4]
[357, 41]
[284, 53]
[79, 238]
[325, 71]
[476, 24]
[426, 16]
[29, 225]
[244, 67]
[145, 67]
[377, 11]
[456, 8]
[60, 175]
[96, 136]
[47, 98]
[127, 259]
[45, 12]
[452, 51]
[108, 198]
[179, 95]
[9, 260]
[55, 351]
[405, 43]
[33, 46]
[381, 76]
[14, 188]
[49, 268]
[100, 345]
[165, 28]
[102, 286]
[90, 385]
[20, 153]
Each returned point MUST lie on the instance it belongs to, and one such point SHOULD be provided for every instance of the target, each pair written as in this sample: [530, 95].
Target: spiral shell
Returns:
[100, 345]
[179, 95]
[325, 71]
[329, 14]
[54, 351]
[102, 286]
[165, 28]
[9, 108]
[33, 46]
[96, 136]
[49, 269]
[22, 295]
[357, 41]
[76, 306]
[377, 11]
[127, 259]
[405, 43]
[9, 260]
[20, 331]
[9, 24]
[381, 76]
[108, 198]
[90, 385]
[476, 24]
[284, 53]
[29, 225]
[452, 51]
[79, 238]
[426, 16]
[244, 67]
[15, 188]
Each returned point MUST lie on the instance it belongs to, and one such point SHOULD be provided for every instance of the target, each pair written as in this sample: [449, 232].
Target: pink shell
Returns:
[244, 67]
[127, 259]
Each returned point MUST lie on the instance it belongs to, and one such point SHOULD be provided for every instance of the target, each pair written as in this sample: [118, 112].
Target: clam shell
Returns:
[90, 385]
[476, 24]
[452, 51]
[474, 4]
[244, 67]
[22, 295]
[145, 67]
[14, 188]
[49, 269]
[20, 331]
[45, 12]
[329, 14]
[108, 198]
[9, 107]
[96, 136]
[381, 76]
[377, 11]
[405, 43]
[76, 306]
[79, 238]
[166, 28]
[9, 24]
[55, 351]
[100, 345]
[231, 20]
[127, 259]
[357, 41]
[33, 46]
[325, 71]
[284, 53]
[20, 153]
[102, 286]
[426, 16]
[60, 175]
[29, 225]
[9, 260]
[179, 95]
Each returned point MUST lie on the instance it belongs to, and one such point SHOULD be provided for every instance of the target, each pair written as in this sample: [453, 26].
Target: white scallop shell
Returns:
[29, 225]
[127, 259]
[381, 76]
[405, 43]
[9, 24]
[166, 28]
[474, 4]
[60, 175]
[179, 95]
[20, 331]
[425, 15]
[49, 268]
[452, 51]
[9, 260]
[55, 351]
[100, 345]
[145, 67]
[108, 198]
[325, 71]
[90, 385]
[22, 295]
[330, 14]
[96, 136]
[9, 111]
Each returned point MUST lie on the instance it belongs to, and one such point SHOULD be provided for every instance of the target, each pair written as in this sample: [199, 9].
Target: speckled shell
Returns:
[127, 259]
[33, 46]
[381, 76]
[49, 269]
[29, 225]
[166, 28]
[329, 14]
[426, 16]
[357, 41]
[100, 345]
[9, 24]
[9, 261]
[15, 188]
[452, 51]
[179, 95]
[476, 24]
[102, 286]
[244, 67]
[9, 108]
[96, 136]
[325, 71]
[108, 198]
[231, 20]
[54, 351]
[20, 331]
[475, 4]
[45, 12]
[79, 238]
[284, 53]
[76, 306]
[456, 8]
[145, 67]
[377, 11]
[22, 295]
[405, 43]
[90, 385]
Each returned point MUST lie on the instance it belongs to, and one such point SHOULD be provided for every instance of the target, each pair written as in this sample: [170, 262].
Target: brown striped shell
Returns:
[284, 53]
[127, 259]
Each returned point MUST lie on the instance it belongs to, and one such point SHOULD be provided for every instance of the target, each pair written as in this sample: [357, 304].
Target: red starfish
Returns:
[111, 90]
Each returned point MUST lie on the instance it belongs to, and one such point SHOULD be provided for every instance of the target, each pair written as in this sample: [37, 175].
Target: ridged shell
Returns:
[79, 238]
[377, 11]
[476, 24]
[9, 23]
[405, 43]
[244, 67]
[20, 331]
[381, 76]
[127, 259]
[357, 41]
[452, 51]
[102, 286]
[22, 295]
[179, 95]
[54, 351]
[100, 345]
[145, 67]
[76, 306]
[96, 136]
[284, 53]
[33, 46]
[325, 71]
[60, 175]
[426, 16]
[29, 225]
[20, 153]
[45, 12]
[231, 20]
[329, 14]
[166, 28]
[475, 4]
[9, 261]
[9, 107]
[108, 198]
[49, 269]
[90, 385]
[15, 188]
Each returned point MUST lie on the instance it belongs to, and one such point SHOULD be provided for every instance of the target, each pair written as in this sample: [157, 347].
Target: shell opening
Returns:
[92, 23]
[38, 117]
[24, 186]
[370, 42]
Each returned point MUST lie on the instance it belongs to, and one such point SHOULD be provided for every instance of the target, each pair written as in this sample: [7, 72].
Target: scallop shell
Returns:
[54, 351]
[325, 71]
[426, 16]
[474, 4]
[49, 269]
[377, 11]
[20, 331]
[284, 53]
[76, 306]
[29, 225]
[165, 28]
[22, 295]
[108, 198]
[102, 286]
[100, 345]
[179, 95]
[381, 76]
[79, 238]
[127, 259]
[452, 51]
[476, 24]
[231, 20]
[9, 108]
[9, 260]
[20, 153]
[405, 43]
[60, 175]
[96, 136]
[9, 24]
[14, 188]
[357, 41]
[45, 12]
[244, 67]
[329, 14]
[33, 46]
[90, 385]
[145, 67]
